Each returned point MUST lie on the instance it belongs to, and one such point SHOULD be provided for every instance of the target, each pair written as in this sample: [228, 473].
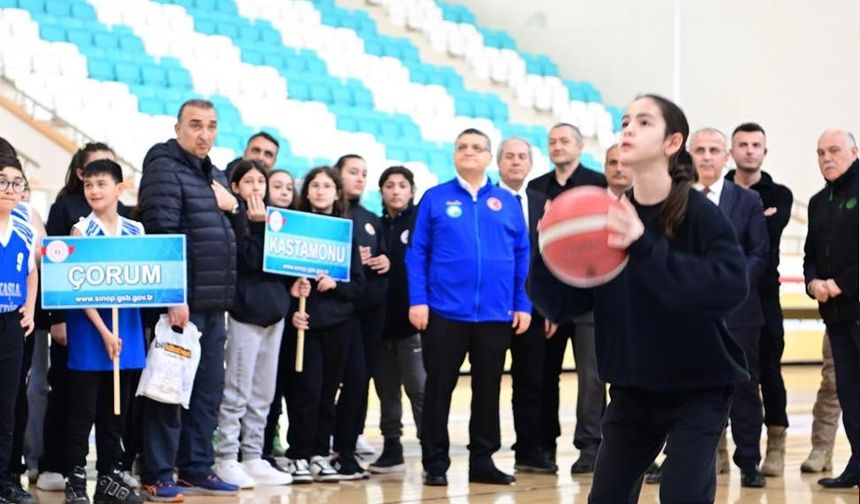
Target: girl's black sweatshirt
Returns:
[659, 325]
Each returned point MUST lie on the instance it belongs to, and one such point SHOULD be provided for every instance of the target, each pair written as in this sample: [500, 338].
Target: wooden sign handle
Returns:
[115, 330]
[300, 338]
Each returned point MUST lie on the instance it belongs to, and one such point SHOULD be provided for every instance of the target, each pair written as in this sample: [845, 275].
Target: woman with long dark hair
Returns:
[660, 337]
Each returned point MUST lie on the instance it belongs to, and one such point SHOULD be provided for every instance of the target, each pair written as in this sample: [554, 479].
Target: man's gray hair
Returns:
[710, 130]
[504, 142]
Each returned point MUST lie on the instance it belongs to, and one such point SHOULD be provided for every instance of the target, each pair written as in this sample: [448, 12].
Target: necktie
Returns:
[706, 191]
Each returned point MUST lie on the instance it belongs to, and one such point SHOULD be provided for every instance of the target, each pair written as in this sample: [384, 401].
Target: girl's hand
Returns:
[58, 333]
[364, 253]
[380, 264]
[325, 283]
[623, 224]
[301, 288]
[256, 208]
[300, 321]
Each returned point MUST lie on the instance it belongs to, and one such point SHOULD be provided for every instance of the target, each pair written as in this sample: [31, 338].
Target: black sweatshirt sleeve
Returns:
[712, 283]
[555, 300]
[349, 290]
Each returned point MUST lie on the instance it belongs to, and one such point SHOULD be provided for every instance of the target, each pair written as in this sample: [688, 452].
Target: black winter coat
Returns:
[176, 197]
[831, 249]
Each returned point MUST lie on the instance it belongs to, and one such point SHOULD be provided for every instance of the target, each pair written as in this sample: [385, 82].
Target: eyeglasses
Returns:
[473, 147]
[18, 186]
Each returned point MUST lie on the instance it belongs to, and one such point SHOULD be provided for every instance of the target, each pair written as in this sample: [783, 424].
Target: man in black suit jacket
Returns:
[527, 349]
[565, 148]
[743, 209]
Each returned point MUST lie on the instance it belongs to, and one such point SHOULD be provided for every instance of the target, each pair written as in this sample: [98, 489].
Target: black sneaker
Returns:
[391, 459]
[348, 467]
[111, 488]
[76, 487]
[15, 492]
[12, 491]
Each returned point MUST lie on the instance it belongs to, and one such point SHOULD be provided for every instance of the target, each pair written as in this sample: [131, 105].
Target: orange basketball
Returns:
[573, 236]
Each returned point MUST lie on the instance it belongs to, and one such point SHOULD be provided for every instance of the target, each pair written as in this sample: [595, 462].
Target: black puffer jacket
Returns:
[831, 249]
[176, 198]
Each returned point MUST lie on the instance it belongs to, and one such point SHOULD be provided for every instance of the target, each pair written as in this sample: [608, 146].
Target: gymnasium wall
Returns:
[792, 65]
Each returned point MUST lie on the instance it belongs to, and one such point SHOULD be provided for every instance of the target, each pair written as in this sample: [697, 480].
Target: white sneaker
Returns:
[362, 447]
[131, 480]
[264, 474]
[321, 470]
[232, 472]
[298, 469]
[51, 482]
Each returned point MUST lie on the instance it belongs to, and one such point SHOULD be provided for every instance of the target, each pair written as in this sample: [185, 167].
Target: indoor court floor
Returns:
[793, 488]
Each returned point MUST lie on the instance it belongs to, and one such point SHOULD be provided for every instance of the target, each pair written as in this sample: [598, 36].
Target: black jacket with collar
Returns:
[367, 231]
[546, 183]
[176, 197]
[395, 232]
[831, 249]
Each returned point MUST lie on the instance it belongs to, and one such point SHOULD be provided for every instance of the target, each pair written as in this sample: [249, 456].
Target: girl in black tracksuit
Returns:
[661, 341]
[369, 318]
[398, 357]
[328, 322]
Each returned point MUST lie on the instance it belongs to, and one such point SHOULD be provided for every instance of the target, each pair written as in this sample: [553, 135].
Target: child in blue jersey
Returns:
[18, 281]
[92, 348]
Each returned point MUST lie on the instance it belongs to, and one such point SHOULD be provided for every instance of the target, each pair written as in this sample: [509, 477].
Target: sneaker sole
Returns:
[398, 468]
[155, 498]
[336, 478]
[302, 480]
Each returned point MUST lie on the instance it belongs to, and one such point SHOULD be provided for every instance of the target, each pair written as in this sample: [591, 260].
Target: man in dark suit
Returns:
[527, 349]
[565, 148]
[743, 209]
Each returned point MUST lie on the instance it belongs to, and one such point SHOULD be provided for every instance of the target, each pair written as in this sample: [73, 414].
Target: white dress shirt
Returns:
[714, 190]
[521, 195]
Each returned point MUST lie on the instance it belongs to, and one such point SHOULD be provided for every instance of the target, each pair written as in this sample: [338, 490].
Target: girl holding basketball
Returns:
[660, 338]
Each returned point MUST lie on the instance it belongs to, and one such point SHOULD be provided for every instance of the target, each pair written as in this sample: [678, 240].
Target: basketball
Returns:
[573, 236]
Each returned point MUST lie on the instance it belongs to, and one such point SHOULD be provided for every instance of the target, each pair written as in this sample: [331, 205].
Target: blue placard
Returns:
[113, 271]
[305, 244]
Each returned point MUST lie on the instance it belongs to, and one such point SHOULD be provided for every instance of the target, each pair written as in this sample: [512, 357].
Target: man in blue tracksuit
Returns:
[467, 263]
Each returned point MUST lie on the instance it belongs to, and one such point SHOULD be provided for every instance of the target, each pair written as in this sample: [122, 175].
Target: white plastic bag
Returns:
[171, 364]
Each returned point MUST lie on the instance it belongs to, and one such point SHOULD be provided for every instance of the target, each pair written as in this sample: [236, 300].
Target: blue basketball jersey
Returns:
[16, 261]
[86, 347]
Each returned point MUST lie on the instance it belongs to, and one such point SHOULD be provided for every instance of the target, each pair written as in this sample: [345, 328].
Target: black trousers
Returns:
[771, 346]
[591, 392]
[746, 412]
[91, 402]
[359, 367]
[527, 364]
[17, 465]
[311, 393]
[11, 358]
[845, 343]
[636, 425]
[445, 345]
[53, 455]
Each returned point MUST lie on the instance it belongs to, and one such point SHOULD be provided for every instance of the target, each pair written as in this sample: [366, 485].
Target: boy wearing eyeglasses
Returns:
[19, 279]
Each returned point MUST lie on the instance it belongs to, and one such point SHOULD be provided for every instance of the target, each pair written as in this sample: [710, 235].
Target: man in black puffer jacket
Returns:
[181, 192]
